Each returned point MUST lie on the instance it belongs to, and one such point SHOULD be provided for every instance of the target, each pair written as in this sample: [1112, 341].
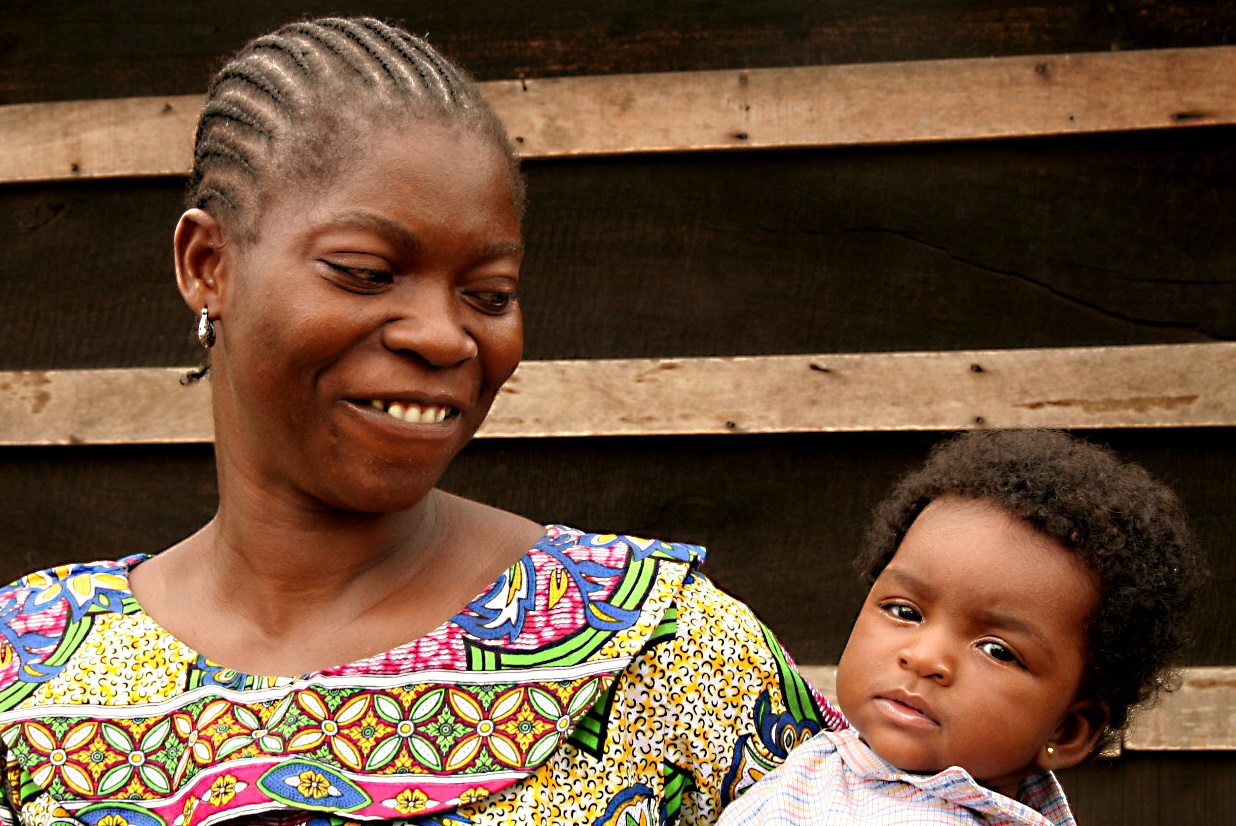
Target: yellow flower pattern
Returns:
[312, 784]
[409, 801]
[222, 790]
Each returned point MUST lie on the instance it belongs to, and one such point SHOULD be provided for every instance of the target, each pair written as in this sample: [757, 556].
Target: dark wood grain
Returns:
[78, 49]
[89, 278]
[1114, 239]
[1150, 789]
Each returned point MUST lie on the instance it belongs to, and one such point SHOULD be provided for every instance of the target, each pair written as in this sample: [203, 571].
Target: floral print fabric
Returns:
[600, 680]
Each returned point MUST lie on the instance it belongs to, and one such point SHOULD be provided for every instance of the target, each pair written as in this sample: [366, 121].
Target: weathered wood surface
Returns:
[689, 111]
[128, 137]
[870, 104]
[1099, 387]
[1114, 239]
[76, 49]
[104, 407]
[948, 390]
[1199, 716]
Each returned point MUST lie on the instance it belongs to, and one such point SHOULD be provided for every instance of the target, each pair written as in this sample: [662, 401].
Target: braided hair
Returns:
[291, 105]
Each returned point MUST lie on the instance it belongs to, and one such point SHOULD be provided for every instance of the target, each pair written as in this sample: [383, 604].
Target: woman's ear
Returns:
[1075, 738]
[199, 245]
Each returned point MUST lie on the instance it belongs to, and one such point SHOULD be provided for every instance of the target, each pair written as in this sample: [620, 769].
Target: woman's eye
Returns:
[359, 278]
[903, 612]
[998, 651]
[493, 302]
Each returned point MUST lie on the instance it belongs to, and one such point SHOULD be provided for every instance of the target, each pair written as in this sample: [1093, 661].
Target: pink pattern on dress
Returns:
[560, 611]
[50, 621]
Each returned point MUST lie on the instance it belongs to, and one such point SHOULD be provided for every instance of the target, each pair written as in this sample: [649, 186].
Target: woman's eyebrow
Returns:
[400, 236]
[375, 223]
[501, 248]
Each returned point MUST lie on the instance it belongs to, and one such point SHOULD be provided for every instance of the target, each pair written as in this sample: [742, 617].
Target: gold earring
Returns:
[1051, 752]
[205, 329]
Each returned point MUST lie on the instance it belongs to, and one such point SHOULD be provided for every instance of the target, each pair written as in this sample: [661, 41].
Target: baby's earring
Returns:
[1051, 752]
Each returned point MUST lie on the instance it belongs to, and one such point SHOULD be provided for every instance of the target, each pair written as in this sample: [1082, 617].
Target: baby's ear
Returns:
[1083, 724]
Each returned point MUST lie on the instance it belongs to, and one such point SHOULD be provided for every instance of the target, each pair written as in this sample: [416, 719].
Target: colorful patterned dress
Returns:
[600, 680]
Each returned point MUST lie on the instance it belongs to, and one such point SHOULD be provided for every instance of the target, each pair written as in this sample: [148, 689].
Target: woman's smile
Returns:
[408, 416]
[413, 412]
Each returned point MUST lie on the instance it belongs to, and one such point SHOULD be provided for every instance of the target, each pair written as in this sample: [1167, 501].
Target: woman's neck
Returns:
[283, 591]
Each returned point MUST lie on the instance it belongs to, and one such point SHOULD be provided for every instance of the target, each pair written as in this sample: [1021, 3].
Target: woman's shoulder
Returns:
[79, 577]
[713, 627]
[72, 590]
[42, 610]
[576, 595]
[618, 547]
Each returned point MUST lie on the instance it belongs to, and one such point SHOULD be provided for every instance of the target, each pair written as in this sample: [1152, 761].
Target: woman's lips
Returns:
[413, 412]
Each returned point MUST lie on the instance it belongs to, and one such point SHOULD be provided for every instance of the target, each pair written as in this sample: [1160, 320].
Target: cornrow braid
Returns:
[373, 52]
[290, 105]
[293, 50]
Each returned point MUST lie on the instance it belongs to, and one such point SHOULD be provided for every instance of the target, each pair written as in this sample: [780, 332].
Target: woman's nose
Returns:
[429, 324]
[927, 656]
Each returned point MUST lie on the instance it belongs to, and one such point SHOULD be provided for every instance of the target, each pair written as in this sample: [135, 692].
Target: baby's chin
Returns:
[1006, 783]
[904, 762]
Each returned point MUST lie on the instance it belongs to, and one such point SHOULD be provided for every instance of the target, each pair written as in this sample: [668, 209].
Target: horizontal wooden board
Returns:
[98, 138]
[870, 104]
[1065, 387]
[1185, 385]
[1199, 716]
[688, 111]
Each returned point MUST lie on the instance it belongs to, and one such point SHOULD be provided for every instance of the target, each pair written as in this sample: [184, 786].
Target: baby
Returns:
[1028, 589]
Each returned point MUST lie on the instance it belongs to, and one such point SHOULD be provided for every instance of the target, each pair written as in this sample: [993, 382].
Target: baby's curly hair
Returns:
[1128, 528]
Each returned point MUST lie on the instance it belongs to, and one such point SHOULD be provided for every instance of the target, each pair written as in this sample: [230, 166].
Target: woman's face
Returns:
[365, 332]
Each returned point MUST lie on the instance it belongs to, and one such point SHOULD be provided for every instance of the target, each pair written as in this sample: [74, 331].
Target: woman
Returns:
[319, 651]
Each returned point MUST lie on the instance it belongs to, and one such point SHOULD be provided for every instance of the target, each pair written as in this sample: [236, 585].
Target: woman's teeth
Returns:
[414, 413]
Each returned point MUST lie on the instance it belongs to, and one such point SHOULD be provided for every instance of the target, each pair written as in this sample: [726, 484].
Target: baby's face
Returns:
[969, 649]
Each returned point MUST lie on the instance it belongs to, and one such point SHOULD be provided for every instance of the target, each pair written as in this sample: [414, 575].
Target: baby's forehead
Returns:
[981, 555]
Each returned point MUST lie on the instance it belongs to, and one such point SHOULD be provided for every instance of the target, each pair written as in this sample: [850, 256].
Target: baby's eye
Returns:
[904, 612]
[998, 651]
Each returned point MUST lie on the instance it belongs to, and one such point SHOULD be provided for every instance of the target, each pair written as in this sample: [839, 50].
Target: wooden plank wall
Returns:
[837, 248]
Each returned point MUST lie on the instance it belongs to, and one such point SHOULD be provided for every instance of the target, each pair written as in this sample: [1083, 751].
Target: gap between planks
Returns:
[1199, 716]
[1169, 385]
[874, 103]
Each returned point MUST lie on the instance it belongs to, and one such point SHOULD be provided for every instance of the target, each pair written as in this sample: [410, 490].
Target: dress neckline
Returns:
[126, 565]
